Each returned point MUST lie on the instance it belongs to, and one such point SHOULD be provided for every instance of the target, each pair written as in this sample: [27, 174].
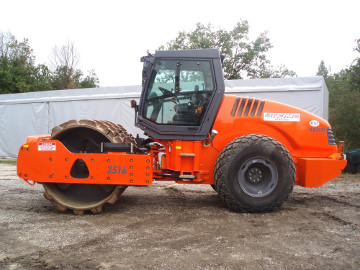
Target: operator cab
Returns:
[182, 91]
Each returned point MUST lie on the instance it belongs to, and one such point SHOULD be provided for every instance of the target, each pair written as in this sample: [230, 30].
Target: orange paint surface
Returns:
[304, 135]
[44, 163]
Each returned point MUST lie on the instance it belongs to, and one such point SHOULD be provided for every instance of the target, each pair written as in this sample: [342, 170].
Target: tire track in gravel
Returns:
[338, 220]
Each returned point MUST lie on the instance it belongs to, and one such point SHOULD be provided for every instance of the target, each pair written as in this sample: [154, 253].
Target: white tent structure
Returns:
[35, 113]
[307, 93]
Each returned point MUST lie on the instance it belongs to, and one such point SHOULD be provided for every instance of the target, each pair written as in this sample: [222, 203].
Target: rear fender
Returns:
[302, 133]
[307, 137]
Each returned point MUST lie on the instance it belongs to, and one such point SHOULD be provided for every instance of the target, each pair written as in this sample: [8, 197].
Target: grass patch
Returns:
[347, 177]
[8, 161]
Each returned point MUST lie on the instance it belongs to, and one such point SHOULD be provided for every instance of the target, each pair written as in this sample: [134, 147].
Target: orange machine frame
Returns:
[316, 160]
[54, 165]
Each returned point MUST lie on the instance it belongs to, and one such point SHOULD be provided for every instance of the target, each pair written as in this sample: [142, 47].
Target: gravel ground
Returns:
[170, 226]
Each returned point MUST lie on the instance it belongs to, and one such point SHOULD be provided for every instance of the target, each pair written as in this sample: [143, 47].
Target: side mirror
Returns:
[133, 104]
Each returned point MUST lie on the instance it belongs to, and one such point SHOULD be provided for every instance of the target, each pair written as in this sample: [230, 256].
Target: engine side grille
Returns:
[330, 136]
[247, 107]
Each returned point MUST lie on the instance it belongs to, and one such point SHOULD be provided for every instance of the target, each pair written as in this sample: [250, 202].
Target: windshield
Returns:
[179, 92]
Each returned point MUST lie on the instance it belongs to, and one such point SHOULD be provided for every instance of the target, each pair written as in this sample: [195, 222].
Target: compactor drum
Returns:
[251, 151]
[85, 136]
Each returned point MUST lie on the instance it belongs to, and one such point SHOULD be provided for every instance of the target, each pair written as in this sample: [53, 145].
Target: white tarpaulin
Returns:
[307, 93]
[36, 113]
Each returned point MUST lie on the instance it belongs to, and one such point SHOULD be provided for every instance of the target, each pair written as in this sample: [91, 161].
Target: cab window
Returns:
[179, 92]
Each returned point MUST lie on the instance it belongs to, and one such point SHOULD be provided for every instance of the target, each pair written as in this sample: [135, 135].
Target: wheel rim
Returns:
[257, 177]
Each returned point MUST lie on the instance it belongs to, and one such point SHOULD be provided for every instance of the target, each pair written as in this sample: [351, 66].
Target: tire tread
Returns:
[223, 164]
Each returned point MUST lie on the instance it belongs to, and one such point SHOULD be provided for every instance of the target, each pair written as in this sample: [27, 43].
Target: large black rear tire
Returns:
[254, 173]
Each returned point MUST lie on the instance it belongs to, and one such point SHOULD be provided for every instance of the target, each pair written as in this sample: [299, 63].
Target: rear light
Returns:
[341, 147]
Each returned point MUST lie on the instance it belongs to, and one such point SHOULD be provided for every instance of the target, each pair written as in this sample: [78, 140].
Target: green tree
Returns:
[18, 72]
[66, 75]
[322, 70]
[354, 70]
[90, 81]
[243, 58]
[43, 78]
[344, 103]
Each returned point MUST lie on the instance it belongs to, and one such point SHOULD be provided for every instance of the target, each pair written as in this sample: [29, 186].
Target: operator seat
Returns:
[156, 106]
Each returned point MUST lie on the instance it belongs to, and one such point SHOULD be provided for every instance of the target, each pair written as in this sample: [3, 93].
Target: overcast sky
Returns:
[111, 36]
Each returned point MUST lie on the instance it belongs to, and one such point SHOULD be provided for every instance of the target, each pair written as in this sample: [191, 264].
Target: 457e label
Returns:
[116, 170]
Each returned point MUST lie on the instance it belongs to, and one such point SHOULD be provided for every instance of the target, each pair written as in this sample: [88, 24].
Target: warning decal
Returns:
[46, 146]
[283, 117]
